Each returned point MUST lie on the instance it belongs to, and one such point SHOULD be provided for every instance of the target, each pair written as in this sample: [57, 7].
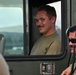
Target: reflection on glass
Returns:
[48, 45]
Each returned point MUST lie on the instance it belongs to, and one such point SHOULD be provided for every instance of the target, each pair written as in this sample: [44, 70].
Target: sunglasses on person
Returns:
[72, 40]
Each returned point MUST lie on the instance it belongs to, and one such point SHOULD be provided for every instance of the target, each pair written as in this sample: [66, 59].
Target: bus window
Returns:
[11, 26]
[18, 25]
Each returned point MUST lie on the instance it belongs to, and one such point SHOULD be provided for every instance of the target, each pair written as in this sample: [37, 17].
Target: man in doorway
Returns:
[49, 43]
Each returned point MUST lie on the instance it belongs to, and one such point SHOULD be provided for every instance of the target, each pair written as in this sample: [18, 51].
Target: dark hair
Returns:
[71, 29]
[49, 10]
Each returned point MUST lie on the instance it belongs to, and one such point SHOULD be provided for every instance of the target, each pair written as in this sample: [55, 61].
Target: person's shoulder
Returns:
[1, 57]
[57, 39]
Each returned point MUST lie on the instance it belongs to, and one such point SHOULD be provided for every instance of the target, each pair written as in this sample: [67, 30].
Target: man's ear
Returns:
[53, 19]
[75, 34]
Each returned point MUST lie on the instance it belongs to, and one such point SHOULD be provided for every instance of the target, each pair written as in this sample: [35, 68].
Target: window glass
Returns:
[11, 26]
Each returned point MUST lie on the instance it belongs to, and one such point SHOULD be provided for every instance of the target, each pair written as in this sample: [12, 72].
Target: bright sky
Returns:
[11, 16]
[57, 6]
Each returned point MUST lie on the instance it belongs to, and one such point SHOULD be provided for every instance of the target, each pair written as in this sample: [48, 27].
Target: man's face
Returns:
[72, 41]
[44, 24]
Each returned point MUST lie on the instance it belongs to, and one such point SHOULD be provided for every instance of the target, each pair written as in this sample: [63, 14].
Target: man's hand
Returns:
[67, 71]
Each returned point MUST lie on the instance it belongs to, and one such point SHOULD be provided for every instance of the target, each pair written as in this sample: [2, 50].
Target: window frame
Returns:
[42, 57]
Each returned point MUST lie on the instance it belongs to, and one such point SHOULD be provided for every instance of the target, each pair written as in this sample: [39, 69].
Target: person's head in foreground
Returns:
[71, 33]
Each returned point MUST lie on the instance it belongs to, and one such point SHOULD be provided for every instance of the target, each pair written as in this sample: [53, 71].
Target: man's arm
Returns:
[67, 71]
